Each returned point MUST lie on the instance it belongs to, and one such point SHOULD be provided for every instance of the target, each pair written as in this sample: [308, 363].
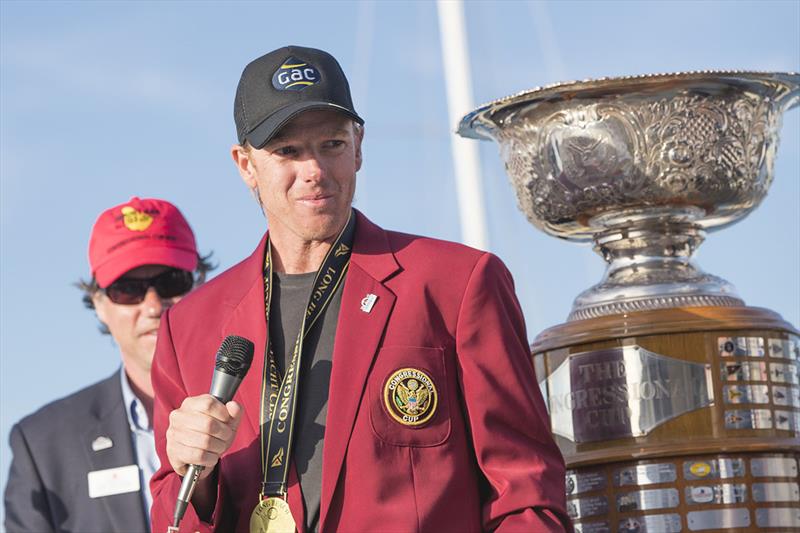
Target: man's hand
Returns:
[200, 431]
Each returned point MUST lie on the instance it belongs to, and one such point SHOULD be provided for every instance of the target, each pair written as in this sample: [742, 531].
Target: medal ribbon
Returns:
[279, 396]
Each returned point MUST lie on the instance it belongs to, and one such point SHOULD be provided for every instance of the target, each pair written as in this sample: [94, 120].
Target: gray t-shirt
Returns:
[290, 294]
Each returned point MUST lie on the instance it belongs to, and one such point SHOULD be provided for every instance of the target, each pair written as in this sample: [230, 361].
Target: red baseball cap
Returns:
[140, 232]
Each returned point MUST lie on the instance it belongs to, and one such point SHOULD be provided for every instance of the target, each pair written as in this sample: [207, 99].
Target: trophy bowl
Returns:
[643, 167]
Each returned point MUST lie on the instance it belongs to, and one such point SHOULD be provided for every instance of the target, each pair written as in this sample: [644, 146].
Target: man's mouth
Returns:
[316, 200]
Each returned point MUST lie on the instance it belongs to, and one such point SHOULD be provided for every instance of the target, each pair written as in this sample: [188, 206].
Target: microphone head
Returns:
[234, 356]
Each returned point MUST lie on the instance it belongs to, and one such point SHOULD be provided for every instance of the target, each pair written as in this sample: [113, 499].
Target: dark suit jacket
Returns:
[47, 487]
[485, 460]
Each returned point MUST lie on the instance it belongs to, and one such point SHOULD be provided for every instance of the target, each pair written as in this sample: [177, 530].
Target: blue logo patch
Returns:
[295, 75]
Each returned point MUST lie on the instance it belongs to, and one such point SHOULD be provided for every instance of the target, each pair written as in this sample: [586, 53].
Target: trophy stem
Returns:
[649, 255]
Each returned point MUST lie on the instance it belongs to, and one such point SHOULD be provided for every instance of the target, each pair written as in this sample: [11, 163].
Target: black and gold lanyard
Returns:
[279, 397]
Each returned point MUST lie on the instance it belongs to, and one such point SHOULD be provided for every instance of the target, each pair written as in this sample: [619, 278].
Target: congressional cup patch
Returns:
[410, 396]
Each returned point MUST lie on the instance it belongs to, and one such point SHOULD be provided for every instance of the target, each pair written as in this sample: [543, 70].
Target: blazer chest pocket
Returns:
[409, 403]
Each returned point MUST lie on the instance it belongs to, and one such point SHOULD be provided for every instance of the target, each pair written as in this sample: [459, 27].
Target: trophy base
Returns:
[702, 403]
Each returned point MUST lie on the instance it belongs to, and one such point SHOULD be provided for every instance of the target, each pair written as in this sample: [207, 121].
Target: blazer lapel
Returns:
[358, 336]
[126, 511]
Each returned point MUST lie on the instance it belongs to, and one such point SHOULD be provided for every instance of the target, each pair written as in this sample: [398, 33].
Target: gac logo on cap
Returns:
[295, 75]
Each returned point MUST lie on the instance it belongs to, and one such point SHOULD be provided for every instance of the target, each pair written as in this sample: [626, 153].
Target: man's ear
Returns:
[359, 138]
[241, 158]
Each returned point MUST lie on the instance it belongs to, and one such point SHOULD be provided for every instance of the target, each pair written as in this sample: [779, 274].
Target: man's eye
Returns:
[286, 150]
[334, 143]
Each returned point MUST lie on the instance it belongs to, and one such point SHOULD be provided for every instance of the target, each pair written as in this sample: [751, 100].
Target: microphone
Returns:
[232, 363]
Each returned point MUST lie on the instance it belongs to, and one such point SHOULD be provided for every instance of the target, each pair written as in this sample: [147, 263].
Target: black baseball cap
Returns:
[280, 85]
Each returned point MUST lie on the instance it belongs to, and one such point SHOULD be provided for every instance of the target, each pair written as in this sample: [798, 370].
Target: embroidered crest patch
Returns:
[410, 396]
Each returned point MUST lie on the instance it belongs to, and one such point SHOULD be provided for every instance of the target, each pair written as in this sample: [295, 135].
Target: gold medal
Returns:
[272, 516]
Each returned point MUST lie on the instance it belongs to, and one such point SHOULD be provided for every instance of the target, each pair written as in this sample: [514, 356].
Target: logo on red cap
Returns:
[135, 220]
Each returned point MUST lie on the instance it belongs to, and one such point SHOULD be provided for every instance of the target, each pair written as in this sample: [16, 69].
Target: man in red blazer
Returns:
[407, 359]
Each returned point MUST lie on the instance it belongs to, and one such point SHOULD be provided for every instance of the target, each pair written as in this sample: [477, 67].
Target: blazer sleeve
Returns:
[26, 504]
[165, 484]
[522, 466]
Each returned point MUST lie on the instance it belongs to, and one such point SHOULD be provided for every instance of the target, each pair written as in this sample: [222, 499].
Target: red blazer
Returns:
[485, 459]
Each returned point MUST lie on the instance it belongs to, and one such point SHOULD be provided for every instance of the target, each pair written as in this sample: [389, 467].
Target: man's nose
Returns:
[313, 168]
[155, 305]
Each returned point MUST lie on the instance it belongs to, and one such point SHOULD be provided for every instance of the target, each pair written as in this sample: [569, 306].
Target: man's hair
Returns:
[90, 288]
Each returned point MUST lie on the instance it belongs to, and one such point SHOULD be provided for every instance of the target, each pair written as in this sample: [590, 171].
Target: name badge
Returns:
[111, 481]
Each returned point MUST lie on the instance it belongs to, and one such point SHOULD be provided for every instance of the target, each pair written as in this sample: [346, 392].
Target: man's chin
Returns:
[147, 343]
[325, 226]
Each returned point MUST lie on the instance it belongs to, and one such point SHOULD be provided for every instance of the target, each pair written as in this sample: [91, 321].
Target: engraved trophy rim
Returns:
[480, 123]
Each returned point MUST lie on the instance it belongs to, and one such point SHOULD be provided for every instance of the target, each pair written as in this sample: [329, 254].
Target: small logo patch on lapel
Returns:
[102, 443]
[367, 302]
[410, 396]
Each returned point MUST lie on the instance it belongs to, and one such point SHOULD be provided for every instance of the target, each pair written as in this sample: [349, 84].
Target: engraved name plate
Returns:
[583, 507]
[783, 373]
[720, 494]
[718, 519]
[644, 500]
[773, 467]
[744, 371]
[649, 474]
[746, 393]
[784, 395]
[656, 523]
[785, 420]
[740, 346]
[592, 527]
[748, 419]
[623, 392]
[713, 469]
[782, 349]
[778, 517]
[776, 492]
[580, 482]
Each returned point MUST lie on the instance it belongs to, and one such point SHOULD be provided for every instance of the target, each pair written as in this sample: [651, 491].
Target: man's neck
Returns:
[142, 387]
[298, 257]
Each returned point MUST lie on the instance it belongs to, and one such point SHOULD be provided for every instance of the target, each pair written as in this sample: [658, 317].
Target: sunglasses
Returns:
[169, 284]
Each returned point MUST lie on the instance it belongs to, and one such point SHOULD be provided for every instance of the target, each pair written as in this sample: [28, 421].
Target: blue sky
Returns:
[100, 101]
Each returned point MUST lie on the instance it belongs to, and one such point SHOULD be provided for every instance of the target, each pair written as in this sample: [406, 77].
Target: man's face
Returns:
[305, 177]
[135, 327]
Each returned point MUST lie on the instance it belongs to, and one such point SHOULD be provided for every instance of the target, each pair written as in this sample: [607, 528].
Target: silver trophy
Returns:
[644, 167]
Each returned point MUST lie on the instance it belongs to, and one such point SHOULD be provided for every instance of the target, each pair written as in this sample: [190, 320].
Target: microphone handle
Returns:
[223, 387]
[185, 494]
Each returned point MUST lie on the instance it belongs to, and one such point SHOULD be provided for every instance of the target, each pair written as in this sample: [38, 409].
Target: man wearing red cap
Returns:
[392, 387]
[83, 463]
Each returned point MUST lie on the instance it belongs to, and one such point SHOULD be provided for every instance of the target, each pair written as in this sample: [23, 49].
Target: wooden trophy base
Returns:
[682, 419]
